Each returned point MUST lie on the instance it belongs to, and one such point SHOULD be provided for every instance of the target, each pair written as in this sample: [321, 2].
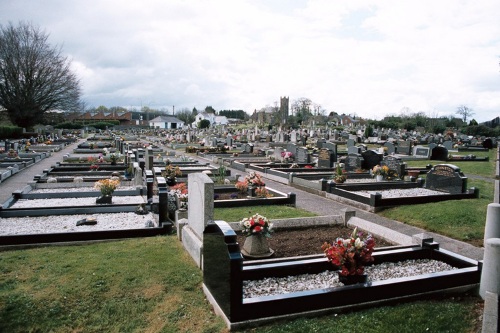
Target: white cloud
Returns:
[368, 58]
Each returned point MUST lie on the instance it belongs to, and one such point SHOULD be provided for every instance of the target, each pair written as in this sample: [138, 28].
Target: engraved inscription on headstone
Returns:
[404, 147]
[447, 178]
[353, 162]
[303, 155]
[325, 158]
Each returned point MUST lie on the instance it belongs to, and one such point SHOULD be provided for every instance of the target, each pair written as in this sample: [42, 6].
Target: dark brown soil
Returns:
[307, 241]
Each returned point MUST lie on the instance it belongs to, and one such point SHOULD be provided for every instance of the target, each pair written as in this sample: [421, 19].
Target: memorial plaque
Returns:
[325, 158]
[353, 162]
[447, 178]
[404, 147]
[303, 156]
[421, 151]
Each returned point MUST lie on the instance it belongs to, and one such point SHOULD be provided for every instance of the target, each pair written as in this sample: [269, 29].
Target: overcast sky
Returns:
[364, 58]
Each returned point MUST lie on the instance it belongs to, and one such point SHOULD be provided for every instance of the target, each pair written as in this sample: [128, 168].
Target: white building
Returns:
[211, 117]
[166, 122]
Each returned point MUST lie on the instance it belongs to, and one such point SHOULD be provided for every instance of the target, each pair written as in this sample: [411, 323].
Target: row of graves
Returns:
[145, 179]
[213, 244]
[316, 170]
[16, 155]
[227, 274]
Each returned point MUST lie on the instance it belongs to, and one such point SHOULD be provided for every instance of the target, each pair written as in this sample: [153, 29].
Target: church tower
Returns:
[284, 107]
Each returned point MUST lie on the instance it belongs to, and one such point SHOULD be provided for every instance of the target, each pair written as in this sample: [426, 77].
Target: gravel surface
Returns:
[329, 279]
[65, 202]
[67, 223]
[397, 193]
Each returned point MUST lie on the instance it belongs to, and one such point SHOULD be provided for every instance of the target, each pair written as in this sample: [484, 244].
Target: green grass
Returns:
[236, 214]
[459, 219]
[152, 285]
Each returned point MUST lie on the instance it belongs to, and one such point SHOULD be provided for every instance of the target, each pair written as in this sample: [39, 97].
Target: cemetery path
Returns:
[26, 175]
[324, 207]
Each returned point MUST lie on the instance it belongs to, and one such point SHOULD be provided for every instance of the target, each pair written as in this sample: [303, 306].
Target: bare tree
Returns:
[34, 77]
[465, 112]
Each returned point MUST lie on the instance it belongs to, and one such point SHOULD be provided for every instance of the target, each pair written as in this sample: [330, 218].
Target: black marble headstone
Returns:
[488, 143]
[394, 164]
[439, 153]
[371, 159]
[326, 158]
[447, 178]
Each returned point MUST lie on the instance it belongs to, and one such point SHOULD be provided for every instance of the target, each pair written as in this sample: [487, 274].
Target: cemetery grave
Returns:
[224, 273]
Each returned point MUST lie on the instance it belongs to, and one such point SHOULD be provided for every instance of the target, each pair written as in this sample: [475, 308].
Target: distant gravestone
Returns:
[331, 146]
[390, 148]
[404, 147]
[292, 148]
[419, 151]
[353, 150]
[448, 145]
[439, 153]
[320, 143]
[393, 164]
[447, 178]
[371, 159]
[350, 143]
[432, 146]
[353, 162]
[326, 158]
[488, 143]
[303, 155]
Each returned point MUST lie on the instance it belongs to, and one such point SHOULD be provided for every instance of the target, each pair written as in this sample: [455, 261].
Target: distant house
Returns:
[166, 122]
[211, 117]
[125, 118]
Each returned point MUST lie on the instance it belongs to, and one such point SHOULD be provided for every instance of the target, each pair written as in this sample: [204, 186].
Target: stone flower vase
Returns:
[352, 279]
[104, 199]
[256, 247]
[379, 178]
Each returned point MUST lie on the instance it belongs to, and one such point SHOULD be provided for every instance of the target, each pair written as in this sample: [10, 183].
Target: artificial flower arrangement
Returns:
[12, 153]
[380, 170]
[241, 186]
[113, 157]
[254, 179]
[256, 225]
[339, 176]
[107, 186]
[180, 190]
[350, 254]
[171, 171]
[286, 155]
[93, 163]
[262, 192]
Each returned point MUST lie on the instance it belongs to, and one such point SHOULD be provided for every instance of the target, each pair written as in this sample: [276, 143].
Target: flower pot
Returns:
[379, 178]
[251, 191]
[171, 181]
[104, 199]
[352, 279]
[256, 247]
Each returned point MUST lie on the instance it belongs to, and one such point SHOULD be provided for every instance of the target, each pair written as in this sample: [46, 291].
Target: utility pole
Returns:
[173, 110]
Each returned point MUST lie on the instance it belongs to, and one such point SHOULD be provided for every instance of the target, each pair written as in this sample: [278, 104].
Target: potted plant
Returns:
[350, 255]
[107, 187]
[113, 158]
[257, 229]
[339, 176]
